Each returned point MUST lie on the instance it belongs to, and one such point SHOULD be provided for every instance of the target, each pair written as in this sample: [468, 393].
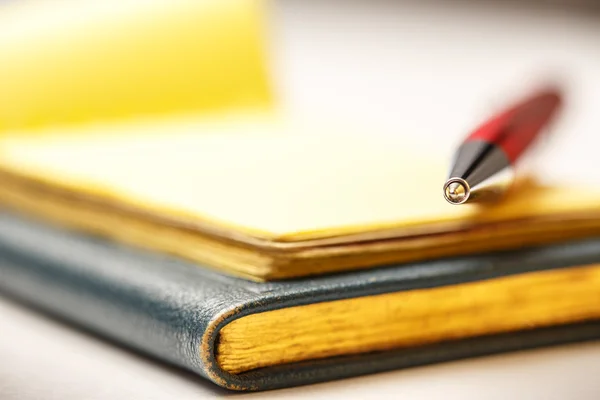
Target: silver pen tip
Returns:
[456, 191]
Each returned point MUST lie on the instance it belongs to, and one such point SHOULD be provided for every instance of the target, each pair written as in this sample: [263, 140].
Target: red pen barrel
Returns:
[515, 129]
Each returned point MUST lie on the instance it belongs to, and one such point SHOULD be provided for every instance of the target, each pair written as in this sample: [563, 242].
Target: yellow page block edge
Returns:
[552, 202]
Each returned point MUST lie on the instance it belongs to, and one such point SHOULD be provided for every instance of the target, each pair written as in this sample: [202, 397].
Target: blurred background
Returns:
[427, 69]
[416, 68]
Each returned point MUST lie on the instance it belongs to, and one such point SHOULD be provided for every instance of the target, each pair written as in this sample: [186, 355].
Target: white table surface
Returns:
[428, 69]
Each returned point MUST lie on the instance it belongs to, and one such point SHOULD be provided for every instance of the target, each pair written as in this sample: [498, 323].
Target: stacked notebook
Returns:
[263, 252]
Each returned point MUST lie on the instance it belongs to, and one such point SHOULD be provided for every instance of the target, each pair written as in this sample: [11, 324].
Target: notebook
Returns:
[268, 198]
[160, 200]
[250, 336]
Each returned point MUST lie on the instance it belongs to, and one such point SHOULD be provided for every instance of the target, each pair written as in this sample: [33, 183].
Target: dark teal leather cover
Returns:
[170, 309]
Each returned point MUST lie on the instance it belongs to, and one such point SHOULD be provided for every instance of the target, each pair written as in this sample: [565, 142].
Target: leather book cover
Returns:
[250, 336]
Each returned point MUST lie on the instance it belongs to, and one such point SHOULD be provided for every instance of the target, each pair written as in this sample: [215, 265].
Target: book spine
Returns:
[129, 299]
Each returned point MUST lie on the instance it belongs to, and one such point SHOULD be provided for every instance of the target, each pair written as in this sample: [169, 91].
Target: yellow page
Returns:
[77, 61]
[268, 178]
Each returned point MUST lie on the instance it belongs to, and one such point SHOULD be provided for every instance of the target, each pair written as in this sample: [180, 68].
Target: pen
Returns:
[499, 143]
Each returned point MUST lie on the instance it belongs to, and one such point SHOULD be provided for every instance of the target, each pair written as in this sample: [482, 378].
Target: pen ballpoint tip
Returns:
[456, 191]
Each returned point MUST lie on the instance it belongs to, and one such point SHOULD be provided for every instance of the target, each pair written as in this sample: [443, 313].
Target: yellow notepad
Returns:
[269, 198]
[83, 61]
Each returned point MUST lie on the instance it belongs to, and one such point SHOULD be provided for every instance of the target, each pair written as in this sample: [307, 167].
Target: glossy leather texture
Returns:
[173, 310]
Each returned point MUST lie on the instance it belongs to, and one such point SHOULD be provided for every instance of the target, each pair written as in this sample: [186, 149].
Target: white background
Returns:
[428, 69]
